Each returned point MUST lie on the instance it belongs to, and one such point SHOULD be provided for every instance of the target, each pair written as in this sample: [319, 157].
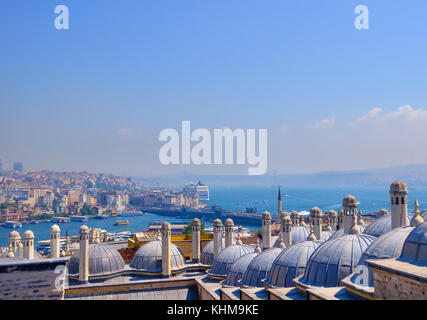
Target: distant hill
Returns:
[413, 175]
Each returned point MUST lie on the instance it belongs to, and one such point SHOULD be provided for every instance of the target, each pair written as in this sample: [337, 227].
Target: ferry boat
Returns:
[130, 214]
[60, 220]
[78, 218]
[121, 223]
[101, 216]
[12, 224]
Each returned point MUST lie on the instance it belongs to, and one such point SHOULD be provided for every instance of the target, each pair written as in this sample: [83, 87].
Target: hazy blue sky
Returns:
[95, 97]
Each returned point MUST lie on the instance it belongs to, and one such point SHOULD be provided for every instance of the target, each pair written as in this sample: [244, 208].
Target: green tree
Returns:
[188, 229]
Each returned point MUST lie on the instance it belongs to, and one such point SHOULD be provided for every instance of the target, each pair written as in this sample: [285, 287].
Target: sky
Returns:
[95, 97]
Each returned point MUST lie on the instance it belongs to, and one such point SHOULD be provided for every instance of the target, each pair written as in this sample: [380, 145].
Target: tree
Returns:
[87, 210]
[188, 229]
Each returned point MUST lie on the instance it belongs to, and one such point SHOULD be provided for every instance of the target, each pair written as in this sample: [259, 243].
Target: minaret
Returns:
[340, 219]
[84, 254]
[279, 204]
[195, 240]
[166, 250]
[416, 219]
[399, 205]
[54, 241]
[266, 230]
[350, 212]
[14, 241]
[28, 244]
[217, 229]
[295, 218]
[316, 222]
[287, 231]
[229, 225]
[333, 220]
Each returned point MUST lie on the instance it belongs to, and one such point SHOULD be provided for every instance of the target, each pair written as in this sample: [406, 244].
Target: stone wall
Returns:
[391, 286]
[32, 280]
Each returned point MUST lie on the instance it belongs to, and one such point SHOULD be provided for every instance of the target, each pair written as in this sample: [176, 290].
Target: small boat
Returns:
[12, 224]
[78, 218]
[60, 220]
[34, 221]
[121, 223]
[101, 216]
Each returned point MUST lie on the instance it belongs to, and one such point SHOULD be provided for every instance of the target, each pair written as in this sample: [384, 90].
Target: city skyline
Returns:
[95, 98]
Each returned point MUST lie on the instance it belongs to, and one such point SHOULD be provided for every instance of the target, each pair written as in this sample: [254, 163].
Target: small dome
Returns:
[84, 229]
[350, 201]
[332, 213]
[217, 223]
[148, 258]
[299, 234]
[291, 263]
[316, 213]
[229, 223]
[398, 187]
[259, 268]
[415, 246]
[294, 214]
[55, 228]
[237, 269]
[223, 261]
[103, 260]
[14, 235]
[266, 215]
[207, 255]
[335, 259]
[380, 226]
[28, 234]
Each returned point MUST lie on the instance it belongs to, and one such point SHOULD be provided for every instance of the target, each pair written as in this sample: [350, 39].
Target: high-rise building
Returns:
[18, 166]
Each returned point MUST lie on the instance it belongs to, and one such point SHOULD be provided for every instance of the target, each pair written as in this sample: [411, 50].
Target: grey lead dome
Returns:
[291, 263]
[103, 260]
[335, 259]
[223, 261]
[259, 268]
[415, 246]
[237, 269]
[148, 258]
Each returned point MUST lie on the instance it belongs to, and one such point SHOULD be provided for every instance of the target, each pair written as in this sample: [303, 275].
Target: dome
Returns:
[326, 235]
[335, 259]
[299, 234]
[266, 215]
[14, 235]
[398, 187]
[388, 245]
[291, 263]
[237, 269]
[103, 260]
[148, 258]
[28, 234]
[349, 201]
[55, 228]
[424, 215]
[259, 268]
[207, 255]
[223, 261]
[380, 226]
[316, 213]
[415, 246]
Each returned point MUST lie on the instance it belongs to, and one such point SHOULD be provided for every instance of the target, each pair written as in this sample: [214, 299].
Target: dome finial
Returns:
[355, 228]
[311, 236]
[258, 248]
[416, 219]
[360, 221]
[238, 239]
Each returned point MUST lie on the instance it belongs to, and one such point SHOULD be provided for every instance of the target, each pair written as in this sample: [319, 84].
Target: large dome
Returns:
[103, 260]
[148, 258]
[335, 259]
[389, 245]
[380, 226]
[237, 269]
[259, 268]
[415, 246]
[223, 261]
[291, 263]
